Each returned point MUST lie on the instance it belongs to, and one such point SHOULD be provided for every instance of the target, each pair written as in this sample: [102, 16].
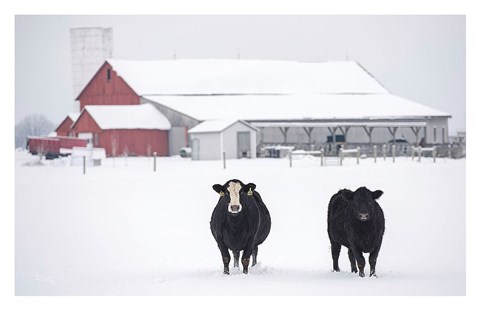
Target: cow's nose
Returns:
[235, 208]
[363, 216]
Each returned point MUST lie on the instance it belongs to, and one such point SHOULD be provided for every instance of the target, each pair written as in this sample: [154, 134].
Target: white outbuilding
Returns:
[211, 138]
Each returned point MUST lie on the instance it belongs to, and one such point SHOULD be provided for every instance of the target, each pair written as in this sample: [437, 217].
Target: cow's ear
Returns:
[219, 189]
[377, 194]
[249, 188]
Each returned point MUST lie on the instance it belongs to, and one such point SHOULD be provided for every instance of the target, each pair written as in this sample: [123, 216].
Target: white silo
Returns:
[90, 47]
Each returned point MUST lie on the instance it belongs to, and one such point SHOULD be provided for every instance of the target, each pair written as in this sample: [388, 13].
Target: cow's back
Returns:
[216, 221]
[265, 220]
[338, 217]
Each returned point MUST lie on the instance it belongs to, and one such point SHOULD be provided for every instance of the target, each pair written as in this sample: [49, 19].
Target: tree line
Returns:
[32, 125]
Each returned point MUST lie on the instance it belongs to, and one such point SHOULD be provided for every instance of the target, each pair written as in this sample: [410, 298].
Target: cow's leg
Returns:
[372, 259]
[353, 263]
[335, 254]
[247, 252]
[236, 257]
[360, 260]
[254, 255]
[225, 256]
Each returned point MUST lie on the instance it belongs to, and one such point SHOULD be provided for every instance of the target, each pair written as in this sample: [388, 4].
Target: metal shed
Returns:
[211, 138]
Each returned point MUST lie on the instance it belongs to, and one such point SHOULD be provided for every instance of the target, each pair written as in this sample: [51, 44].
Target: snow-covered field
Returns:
[123, 229]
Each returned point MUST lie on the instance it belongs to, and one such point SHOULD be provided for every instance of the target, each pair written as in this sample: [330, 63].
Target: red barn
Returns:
[107, 88]
[124, 129]
[64, 129]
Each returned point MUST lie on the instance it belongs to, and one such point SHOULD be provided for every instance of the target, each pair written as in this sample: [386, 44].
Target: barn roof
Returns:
[73, 116]
[225, 76]
[144, 116]
[298, 107]
[212, 126]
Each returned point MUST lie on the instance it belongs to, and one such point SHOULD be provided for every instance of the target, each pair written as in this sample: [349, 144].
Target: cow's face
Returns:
[233, 192]
[364, 202]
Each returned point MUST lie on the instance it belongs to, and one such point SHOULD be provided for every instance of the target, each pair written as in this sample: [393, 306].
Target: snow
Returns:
[122, 229]
[297, 107]
[73, 116]
[143, 116]
[239, 76]
[215, 126]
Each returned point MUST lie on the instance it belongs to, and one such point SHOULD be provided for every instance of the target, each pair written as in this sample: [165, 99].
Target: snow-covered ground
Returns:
[122, 229]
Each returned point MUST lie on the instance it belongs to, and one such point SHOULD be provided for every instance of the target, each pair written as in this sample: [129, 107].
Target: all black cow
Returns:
[240, 222]
[355, 220]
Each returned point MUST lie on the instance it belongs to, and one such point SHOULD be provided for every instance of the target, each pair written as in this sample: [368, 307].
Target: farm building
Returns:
[213, 137]
[304, 104]
[64, 129]
[128, 129]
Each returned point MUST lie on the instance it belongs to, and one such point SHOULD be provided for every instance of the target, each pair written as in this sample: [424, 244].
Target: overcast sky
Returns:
[421, 58]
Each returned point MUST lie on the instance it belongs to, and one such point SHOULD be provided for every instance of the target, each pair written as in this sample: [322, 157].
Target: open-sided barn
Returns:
[317, 104]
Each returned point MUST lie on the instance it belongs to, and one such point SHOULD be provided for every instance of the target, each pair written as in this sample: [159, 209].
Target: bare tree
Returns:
[32, 125]
[125, 153]
[149, 150]
[114, 141]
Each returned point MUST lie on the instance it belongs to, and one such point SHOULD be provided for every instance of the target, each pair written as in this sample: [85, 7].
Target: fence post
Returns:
[341, 156]
[290, 158]
[393, 152]
[449, 151]
[375, 153]
[321, 157]
[224, 161]
[413, 152]
[84, 164]
[419, 154]
[384, 150]
[434, 154]
[154, 161]
[358, 155]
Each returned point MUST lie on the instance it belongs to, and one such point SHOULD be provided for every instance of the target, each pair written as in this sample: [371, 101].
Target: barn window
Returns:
[109, 74]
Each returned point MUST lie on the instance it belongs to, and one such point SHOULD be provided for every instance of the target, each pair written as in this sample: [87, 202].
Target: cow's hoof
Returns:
[336, 270]
[226, 272]
[362, 274]
[354, 270]
[373, 274]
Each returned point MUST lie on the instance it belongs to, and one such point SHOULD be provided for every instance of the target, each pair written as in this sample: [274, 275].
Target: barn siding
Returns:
[134, 142]
[101, 91]
[85, 123]
[175, 118]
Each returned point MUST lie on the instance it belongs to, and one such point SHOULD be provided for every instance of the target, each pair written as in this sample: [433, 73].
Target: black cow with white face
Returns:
[356, 221]
[240, 222]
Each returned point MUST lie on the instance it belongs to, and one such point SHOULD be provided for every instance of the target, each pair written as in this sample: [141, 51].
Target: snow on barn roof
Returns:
[216, 125]
[297, 107]
[73, 116]
[143, 116]
[226, 76]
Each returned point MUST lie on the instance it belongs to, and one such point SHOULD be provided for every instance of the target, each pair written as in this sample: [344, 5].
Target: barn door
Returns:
[243, 144]
[195, 149]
